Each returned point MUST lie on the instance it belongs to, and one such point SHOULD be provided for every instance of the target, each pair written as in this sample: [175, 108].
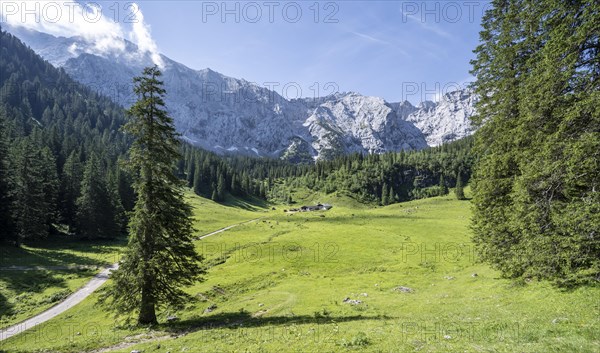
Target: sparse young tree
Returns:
[160, 258]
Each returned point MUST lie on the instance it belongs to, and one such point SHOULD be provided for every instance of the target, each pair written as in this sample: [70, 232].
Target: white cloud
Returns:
[369, 38]
[69, 18]
[140, 35]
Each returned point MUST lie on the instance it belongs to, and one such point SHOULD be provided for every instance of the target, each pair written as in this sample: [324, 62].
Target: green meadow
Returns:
[401, 278]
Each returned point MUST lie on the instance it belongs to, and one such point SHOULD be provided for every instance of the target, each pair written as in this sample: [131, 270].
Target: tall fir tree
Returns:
[160, 257]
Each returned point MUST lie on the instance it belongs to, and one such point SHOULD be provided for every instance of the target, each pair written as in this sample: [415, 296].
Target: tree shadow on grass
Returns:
[248, 204]
[59, 253]
[244, 319]
[35, 281]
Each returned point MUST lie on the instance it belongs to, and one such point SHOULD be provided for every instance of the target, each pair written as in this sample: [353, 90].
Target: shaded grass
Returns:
[63, 252]
[26, 293]
[210, 216]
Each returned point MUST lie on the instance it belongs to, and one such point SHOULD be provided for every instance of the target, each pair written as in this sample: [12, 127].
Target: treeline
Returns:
[213, 176]
[537, 183]
[59, 150]
[386, 178]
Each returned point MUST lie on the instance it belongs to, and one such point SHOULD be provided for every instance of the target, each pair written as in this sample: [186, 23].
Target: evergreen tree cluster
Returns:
[537, 181]
[385, 179]
[213, 176]
[59, 147]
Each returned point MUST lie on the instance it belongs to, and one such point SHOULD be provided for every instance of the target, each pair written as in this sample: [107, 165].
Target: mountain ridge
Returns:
[230, 115]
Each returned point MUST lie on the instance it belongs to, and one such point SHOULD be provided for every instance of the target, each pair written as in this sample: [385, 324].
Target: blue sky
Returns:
[398, 50]
[382, 48]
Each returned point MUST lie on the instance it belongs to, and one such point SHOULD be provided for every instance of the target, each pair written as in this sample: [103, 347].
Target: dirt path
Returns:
[82, 293]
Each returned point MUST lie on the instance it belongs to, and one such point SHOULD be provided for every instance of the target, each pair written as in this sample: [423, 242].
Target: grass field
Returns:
[402, 278]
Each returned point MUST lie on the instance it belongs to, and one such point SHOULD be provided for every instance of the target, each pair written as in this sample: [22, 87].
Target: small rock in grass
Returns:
[364, 294]
[211, 308]
[449, 278]
[172, 318]
[134, 351]
[352, 301]
[403, 289]
[447, 337]
[474, 275]
[261, 304]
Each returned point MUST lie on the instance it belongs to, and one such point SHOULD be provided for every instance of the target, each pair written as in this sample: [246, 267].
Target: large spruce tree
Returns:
[160, 257]
[537, 181]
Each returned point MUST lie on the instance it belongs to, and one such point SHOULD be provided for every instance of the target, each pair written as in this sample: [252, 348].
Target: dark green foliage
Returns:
[214, 176]
[33, 209]
[7, 225]
[459, 188]
[444, 187]
[124, 189]
[536, 185]
[99, 210]
[51, 124]
[385, 200]
[160, 257]
[385, 178]
[70, 187]
[197, 178]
